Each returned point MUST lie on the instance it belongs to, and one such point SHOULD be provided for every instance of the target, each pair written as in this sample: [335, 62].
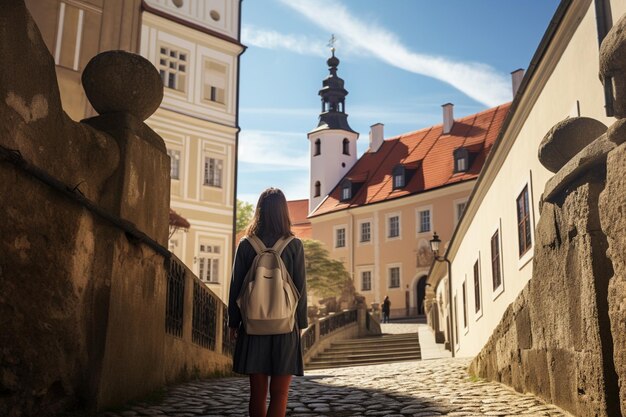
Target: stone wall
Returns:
[83, 279]
[564, 337]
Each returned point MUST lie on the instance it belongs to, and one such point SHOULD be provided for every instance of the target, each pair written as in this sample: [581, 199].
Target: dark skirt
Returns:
[279, 354]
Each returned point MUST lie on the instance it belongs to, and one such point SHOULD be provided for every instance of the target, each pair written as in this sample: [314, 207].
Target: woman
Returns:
[269, 359]
[386, 309]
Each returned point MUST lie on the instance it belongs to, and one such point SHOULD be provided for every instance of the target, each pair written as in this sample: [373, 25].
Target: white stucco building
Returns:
[491, 251]
[195, 46]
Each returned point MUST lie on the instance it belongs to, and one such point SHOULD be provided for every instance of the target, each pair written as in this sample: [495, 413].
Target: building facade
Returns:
[75, 31]
[381, 210]
[195, 46]
[491, 252]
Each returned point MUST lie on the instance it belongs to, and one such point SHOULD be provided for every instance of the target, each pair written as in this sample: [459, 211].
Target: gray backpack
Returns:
[268, 297]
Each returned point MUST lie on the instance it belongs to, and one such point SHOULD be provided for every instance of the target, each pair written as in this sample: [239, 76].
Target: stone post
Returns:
[613, 198]
[316, 323]
[125, 89]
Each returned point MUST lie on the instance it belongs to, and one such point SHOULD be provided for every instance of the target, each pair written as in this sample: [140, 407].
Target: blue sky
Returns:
[401, 60]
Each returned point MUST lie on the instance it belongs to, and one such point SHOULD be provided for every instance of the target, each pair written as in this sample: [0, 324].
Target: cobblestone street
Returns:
[439, 387]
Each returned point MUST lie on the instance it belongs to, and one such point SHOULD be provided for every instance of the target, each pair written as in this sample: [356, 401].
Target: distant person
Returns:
[386, 309]
[268, 359]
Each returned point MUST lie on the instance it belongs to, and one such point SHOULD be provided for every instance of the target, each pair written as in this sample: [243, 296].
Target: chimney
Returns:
[516, 79]
[377, 136]
[448, 117]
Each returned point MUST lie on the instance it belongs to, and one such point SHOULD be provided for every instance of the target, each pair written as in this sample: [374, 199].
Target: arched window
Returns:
[318, 147]
[318, 189]
[461, 160]
[346, 146]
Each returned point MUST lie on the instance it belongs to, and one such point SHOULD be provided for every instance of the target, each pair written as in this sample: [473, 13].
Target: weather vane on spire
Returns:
[331, 43]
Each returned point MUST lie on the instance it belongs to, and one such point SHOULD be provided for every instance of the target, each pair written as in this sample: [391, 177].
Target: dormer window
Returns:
[399, 176]
[346, 190]
[318, 147]
[461, 160]
[346, 146]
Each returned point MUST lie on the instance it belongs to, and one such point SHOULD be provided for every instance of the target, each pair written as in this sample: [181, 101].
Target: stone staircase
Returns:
[368, 351]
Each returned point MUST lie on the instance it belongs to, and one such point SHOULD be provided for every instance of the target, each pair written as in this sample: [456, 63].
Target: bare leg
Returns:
[279, 392]
[258, 395]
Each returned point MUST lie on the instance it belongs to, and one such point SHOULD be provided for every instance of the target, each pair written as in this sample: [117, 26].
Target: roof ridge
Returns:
[494, 109]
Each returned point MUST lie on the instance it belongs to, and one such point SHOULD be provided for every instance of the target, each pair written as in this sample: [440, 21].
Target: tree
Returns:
[244, 215]
[326, 277]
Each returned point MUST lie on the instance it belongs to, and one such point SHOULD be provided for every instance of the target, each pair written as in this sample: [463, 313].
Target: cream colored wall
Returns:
[383, 252]
[574, 79]
[97, 25]
[199, 46]
[198, 129]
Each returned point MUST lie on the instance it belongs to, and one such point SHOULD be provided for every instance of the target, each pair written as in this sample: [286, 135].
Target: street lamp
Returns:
[435, 242]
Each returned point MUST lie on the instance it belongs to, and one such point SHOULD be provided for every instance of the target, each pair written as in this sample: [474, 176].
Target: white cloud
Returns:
[479, 81]
[270, 39]
[291, 111]
[273, 150]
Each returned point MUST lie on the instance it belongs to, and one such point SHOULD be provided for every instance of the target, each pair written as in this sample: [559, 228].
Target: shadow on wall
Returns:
[84, 285]
[560, 339]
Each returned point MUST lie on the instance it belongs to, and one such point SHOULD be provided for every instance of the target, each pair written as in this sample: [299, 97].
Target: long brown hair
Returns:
[271, 216]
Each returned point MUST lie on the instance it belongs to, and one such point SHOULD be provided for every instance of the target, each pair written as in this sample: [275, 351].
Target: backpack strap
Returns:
[281, 244]
[257, 244]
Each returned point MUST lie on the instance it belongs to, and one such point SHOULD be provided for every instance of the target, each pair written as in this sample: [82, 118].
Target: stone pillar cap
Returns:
[123, 82]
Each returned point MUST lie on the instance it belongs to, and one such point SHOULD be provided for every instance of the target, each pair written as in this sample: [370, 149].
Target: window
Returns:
[318, 188]
[523, 222]
[460, 209]
[173, 68]
[345, 193]
[476, 287]
[398, 177]
[346, 190]
[340, 238]
[461, 160]
[318, 147]
[424, 221]
[366, 281]
[214, 82]
[174, 163]
[394, 277]
[69, 36]
[366, 232]
[213, 172]
[456, 321]
[496, 274]
[346, 146]
[208, 263]
[394, 226]
[464, 305]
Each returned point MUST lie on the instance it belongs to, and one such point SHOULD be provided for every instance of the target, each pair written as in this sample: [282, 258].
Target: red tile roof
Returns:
[298, 212]
[177, 220]
[427, 155]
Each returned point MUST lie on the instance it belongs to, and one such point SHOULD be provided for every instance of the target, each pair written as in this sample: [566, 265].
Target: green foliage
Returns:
[326, 277]
[245, 211]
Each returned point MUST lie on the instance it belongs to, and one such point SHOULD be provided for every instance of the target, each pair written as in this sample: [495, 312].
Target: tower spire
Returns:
[331, 43]
[333, 94]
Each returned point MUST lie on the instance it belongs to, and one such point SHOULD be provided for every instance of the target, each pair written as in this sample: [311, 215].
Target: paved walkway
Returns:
[437, 387]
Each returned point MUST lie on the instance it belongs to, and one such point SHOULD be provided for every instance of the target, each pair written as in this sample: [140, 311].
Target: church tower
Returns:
[332, 142]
